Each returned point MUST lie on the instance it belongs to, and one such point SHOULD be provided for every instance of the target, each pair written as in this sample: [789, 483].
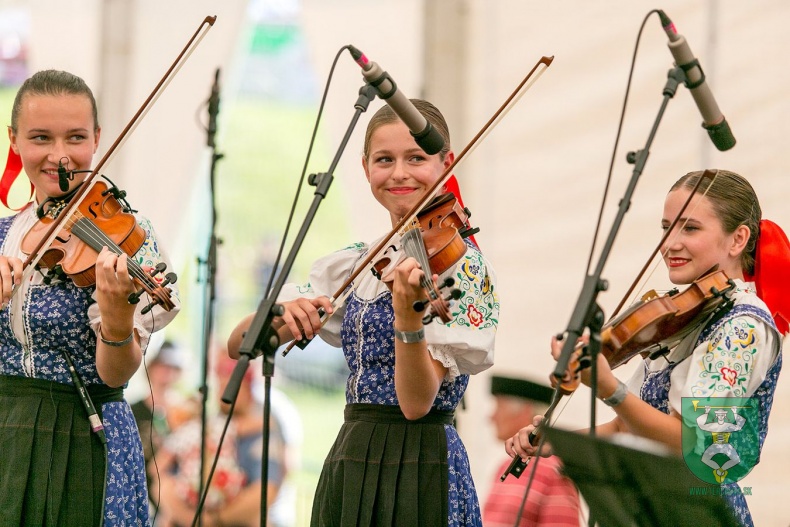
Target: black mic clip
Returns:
[378, 81]
[688, 66]
[64, 176]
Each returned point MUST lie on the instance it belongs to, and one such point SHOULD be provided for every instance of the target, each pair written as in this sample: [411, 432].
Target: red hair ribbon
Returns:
[13, 166]
[772, 272]
[451, 185]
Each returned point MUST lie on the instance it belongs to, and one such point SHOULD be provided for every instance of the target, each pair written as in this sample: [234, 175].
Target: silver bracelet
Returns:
[117, 343]
[618, 396]
[410, 337]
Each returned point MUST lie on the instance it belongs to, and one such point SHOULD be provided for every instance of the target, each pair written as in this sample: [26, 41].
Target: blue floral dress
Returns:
[51, 460]
[383, 470]
[735, 355]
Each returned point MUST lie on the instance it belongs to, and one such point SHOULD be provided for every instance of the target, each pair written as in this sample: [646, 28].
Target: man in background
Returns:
[552, 499]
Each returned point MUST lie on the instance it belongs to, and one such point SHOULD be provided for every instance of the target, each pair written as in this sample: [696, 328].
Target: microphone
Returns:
[213, 110]
[423, 132]
[63, 176]
[712, 119]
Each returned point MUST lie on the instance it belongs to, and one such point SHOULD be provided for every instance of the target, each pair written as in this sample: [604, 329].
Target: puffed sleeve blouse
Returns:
[464, 345]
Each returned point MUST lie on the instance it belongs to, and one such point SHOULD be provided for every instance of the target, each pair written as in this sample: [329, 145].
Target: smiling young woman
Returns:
[735, 352]
[398, 454]
[53, 469]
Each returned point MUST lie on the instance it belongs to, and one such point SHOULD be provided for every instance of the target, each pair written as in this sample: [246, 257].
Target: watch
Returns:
[410, 337]
[618, 396]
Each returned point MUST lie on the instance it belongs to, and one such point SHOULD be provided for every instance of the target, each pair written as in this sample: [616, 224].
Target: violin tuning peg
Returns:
[170, 278]
[160, 267]
[134, 298]
[455, 294]
[584, 363]
[420, 305]
[468, 231]
[448, 282]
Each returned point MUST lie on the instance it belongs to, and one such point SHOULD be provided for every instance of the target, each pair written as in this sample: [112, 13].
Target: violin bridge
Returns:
[650, 295]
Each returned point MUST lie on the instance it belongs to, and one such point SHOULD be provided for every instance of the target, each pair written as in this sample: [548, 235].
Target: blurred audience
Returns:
[234, 493]
[161, 411]
[553, 499]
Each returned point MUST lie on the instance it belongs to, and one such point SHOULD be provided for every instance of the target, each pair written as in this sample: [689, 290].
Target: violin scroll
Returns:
[159, 293]
[440, 306]
[579, 361]
[436, 240]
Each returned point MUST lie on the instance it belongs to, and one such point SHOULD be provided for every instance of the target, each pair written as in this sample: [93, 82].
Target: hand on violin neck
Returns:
[579, 372]
[526, 443]
[113, 287]
[407, 288]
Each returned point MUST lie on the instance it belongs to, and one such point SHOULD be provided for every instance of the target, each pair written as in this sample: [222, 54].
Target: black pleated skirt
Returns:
[384, 470]
[51, 464]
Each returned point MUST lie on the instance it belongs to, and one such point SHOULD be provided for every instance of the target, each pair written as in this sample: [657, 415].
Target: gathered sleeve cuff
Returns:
[326, 276]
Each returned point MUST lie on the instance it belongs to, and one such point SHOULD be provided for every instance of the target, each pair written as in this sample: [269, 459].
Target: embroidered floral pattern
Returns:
[726, 366]
[731, 348]
[474, 315]
[478, 305]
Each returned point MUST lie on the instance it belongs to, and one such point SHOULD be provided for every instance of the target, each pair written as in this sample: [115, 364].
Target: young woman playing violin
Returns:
[53, 469]
[398, 456]
[734, 353]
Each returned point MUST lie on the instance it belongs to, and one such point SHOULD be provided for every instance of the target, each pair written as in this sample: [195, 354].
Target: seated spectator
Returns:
[234, 493]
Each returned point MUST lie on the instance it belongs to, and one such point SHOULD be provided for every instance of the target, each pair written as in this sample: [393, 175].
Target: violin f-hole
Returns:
[91, 209]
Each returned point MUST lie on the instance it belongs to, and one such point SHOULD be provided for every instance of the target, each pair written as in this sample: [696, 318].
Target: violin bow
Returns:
[526, 83]
[708, 174]
[37, 253]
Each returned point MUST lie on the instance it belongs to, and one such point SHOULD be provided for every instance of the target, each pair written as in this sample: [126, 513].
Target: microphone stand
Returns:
[261, 338]
[587, 313]
[210, 264]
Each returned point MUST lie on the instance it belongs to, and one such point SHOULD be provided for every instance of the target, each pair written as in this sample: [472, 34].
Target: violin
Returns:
[99, 220]
[659, 322]
[654, 326]
[436, 240]
[650, 328]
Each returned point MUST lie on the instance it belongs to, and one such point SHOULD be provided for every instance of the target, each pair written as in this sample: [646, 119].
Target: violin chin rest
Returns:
[660, 351]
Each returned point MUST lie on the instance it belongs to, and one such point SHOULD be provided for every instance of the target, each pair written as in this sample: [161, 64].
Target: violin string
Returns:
[34, 258]
[91, 234]
[381, 245]
[413, 246]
